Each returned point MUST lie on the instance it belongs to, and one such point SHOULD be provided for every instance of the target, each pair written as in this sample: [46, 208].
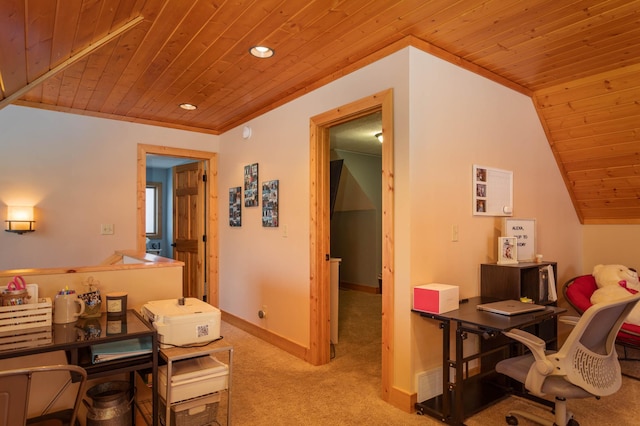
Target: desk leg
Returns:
[154, 380]
[458, 407]
[446, 377]
[229, 387]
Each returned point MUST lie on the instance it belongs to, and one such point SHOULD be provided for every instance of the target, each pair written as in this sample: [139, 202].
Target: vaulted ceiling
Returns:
[137, 60]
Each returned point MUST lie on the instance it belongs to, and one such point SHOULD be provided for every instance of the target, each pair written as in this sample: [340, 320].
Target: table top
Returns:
[468, 313]
[82, 333]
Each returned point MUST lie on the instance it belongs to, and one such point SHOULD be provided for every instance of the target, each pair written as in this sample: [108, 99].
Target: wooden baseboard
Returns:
[403, 400]
[266, 335]
[359, 287]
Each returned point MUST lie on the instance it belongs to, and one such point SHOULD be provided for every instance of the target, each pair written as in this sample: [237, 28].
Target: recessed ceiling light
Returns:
[261, 51]
[188, 107]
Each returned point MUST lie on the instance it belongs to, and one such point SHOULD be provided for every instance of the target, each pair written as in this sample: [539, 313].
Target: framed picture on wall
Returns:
[235, 206]
[251, 185]
[270, 204]
[492, 191]
[507, 250]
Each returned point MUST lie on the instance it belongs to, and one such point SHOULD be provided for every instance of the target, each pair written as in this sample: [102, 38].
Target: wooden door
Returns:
[188, 226]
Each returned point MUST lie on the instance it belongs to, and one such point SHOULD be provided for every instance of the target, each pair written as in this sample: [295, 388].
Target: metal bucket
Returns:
[112, 402]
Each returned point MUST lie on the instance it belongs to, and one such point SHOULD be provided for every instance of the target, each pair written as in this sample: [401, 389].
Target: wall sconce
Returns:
[379, 136]
[20, 219]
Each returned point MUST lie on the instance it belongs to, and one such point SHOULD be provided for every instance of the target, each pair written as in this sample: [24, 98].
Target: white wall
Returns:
[79, 172]
[610, 244]
[459, 119]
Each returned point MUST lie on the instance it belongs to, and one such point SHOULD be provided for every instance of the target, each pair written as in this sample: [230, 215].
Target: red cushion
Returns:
[580, 291]
[633, 339]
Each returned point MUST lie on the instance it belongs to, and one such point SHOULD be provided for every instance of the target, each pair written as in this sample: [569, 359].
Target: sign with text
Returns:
[524, 231]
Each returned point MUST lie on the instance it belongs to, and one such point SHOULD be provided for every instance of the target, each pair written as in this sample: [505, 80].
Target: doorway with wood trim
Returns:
[194, 217]
[319, 350]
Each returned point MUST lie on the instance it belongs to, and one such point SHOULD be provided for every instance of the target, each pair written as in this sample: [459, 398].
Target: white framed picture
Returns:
[507, 250]
[524, 231]
[492, 191]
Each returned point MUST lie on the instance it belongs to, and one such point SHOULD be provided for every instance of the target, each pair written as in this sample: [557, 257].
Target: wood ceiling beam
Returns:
[73, 59]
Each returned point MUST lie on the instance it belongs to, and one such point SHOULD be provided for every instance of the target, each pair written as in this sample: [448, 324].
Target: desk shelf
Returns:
[479, 394]
[172, 355]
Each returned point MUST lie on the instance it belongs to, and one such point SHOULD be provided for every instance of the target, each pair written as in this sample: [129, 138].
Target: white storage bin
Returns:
[193, 377]
[193, 322]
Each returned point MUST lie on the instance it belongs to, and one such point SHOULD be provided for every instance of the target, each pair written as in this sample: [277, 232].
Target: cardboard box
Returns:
[435, 298]
[183, 324]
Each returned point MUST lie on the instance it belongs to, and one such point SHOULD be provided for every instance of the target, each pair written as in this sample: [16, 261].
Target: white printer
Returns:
[183, 322]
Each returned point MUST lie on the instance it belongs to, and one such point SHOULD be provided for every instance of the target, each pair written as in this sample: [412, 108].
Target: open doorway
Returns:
[356, 233]
[202, 269]
[319, 350]
[160, 204]
[175, 212]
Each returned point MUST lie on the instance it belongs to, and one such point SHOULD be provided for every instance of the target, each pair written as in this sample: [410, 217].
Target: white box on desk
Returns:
[436, 298]
[181, 325]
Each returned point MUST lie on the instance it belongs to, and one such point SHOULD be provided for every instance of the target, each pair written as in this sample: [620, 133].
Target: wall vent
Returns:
[429, 384]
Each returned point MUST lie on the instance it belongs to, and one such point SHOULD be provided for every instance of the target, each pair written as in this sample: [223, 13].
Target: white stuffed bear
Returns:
[616, 282]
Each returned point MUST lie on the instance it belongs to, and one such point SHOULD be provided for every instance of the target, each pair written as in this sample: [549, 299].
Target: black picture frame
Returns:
[270, 197]
[251, 185]
[235, 206]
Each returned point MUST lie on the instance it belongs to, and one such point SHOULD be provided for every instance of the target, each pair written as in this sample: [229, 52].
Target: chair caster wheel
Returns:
[573, 422]
[511, 420]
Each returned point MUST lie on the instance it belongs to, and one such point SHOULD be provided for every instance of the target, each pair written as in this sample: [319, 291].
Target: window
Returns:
[154, 210]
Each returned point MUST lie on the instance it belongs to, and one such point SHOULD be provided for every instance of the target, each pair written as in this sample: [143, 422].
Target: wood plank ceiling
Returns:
[579, 60]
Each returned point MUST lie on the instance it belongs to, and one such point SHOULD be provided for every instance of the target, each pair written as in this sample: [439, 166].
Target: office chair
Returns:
[15, 391]
[585, 366]
[577, 292]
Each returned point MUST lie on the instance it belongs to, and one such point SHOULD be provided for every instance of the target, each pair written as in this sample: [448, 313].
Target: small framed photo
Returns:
[507, 250]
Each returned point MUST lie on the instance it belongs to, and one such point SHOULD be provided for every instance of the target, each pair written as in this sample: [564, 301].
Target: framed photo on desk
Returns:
[507, 250]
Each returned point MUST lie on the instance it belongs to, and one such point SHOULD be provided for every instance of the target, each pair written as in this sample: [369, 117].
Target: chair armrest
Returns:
[541, 367]
[569, 320]
[534, 343]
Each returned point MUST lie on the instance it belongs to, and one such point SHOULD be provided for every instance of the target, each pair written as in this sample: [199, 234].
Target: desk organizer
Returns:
[25, 325]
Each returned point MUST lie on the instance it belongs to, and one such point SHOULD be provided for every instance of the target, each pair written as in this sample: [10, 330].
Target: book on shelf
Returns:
[110, 351]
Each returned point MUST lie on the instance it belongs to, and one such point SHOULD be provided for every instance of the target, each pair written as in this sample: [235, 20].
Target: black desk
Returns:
[76, 339]
[467, 395]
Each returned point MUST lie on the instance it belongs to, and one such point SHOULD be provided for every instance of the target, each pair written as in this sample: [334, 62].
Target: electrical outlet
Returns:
[106, 229]
[262, 313]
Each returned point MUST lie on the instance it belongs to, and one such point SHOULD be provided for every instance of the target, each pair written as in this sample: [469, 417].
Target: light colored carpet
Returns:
[272, 387]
